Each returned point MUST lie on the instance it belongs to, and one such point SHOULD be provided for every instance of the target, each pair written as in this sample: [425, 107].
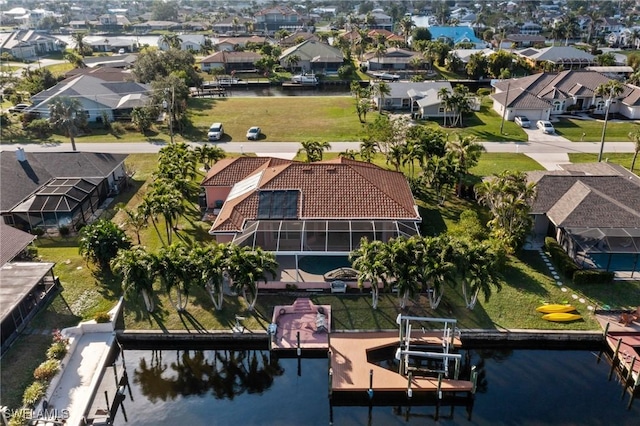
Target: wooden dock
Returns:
[352, 372]
[303, 326]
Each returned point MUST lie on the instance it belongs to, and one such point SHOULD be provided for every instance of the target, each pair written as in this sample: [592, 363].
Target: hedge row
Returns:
[563, 262]
[592, 276]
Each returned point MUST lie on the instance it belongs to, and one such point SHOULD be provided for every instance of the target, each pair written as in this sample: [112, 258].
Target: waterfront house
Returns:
[231, 43]
[294, 208]
[48, 190]
[189, 42]
[231, 61]
[456, 34]
[567, 57]
[232, 25]
[314, 56]
[393, 59]
[593, 211]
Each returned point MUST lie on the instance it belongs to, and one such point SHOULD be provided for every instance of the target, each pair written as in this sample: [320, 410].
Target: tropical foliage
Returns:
[101, 241]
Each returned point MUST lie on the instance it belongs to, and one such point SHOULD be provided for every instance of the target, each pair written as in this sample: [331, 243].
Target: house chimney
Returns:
[20, 155]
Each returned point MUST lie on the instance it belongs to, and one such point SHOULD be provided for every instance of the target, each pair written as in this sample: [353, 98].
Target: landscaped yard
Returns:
[573, 130]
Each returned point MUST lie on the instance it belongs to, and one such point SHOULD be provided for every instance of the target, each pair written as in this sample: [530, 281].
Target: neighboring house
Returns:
[25, 287]
[54, 189]
[29, 44]
[626, 37]
[465, 54]
[276, 18]
[381, 20]
[530, 28]
[314, 56]
[112, 44]
[519, 41]
[605, 26]
[412, 96]
[593, 211]
[116, 99]
[112, 22]
[113, 61]
[456, 34]
[293, 208]
[394, 59]
[539, 96]
[231, 43]
[233, 24]
[188, 42]
[567, 57]
[617, 72]
[156, 25]
[105, 73]
[231, 61]
[297, 37]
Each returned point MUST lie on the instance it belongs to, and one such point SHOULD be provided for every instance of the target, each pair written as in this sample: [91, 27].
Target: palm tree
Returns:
[406, 25]
[368, 259]
[211, 263]
[78, 38]
[177, 274]
[292, 61]
[611, 90]
[207, 155]
[368, 149]
[402, 261]
[466, 152]
[64, 113]
[635, 137]
[165, 200]
[172, 41]
[138, 273]
[396, 155]
[381, 90]
[314, 150]
[444, 95]
[435, 268]
[135, 219]
[247, 266]
[477, 266]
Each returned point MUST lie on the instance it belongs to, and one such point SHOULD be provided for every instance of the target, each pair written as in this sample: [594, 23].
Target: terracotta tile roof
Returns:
[336, 189]
[229, 171]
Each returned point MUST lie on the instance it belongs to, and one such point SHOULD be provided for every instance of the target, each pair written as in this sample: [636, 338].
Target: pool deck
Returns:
[351, 370]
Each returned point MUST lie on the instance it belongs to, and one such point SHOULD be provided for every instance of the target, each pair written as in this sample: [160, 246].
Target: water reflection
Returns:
[223, 373]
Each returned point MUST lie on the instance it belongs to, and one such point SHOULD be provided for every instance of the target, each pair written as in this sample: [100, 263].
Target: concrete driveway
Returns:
[536, 135]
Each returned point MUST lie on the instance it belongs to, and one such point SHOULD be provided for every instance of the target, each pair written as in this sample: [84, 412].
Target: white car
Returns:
[545, 126]
[522, 121]
[121, 51]
[215, 132]
[253, 133]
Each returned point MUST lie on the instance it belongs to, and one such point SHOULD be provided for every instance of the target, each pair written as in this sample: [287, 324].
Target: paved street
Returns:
[272, 148]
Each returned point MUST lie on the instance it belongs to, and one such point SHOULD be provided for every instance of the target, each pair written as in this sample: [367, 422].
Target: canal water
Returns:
[515, 387]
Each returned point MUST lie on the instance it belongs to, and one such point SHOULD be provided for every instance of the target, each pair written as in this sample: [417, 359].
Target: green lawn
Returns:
[573, 129]
[616, 158]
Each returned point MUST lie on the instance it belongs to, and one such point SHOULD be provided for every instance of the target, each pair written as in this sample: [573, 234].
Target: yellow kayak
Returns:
[557, 308]
[561, 317]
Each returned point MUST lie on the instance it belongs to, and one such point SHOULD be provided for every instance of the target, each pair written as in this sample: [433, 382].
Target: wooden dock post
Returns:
[633, 391]
[474, 379]
[605, 332]
[370, 391]
[299, 350]
[614, 359]
[629, 377]
[409, 390]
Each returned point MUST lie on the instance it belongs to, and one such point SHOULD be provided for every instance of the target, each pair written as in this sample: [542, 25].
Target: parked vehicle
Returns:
[253, 133]
[522, 121]
[215, 132]
[19, 107]
[121, 51]
[545, 126]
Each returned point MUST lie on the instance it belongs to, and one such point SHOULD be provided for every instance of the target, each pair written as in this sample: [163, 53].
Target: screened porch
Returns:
[319, 236]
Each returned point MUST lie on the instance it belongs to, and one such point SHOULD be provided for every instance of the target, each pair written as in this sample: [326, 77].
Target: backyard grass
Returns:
[572, 129]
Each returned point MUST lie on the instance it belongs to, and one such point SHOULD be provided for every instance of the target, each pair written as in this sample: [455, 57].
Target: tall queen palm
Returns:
[64, 113]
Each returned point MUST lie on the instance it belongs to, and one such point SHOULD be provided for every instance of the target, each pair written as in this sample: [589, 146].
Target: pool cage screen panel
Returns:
[320, 235]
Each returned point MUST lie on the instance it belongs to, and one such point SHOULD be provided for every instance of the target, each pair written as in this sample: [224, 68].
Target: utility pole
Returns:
[607, 106]
[506, 105]
[169, 106]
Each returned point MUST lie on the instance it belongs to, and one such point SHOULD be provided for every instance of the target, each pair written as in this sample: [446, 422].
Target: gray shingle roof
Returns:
[19, 179]
[12, 242]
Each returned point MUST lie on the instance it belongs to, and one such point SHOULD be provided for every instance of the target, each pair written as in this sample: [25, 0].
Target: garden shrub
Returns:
[45, 371]
[117, 128]
[39, 128]
[57, 350]
[33, 394]
[562, 261]
[38, 232]
[64, 230]
[102, 317]
[593, 276]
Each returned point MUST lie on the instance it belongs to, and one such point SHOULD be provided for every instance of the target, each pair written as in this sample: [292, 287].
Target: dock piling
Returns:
[614, 359]
[409, 390]
[370, 391]
[299, 349]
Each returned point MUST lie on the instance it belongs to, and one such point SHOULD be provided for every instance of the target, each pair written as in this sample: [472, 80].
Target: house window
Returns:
[440, 110]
